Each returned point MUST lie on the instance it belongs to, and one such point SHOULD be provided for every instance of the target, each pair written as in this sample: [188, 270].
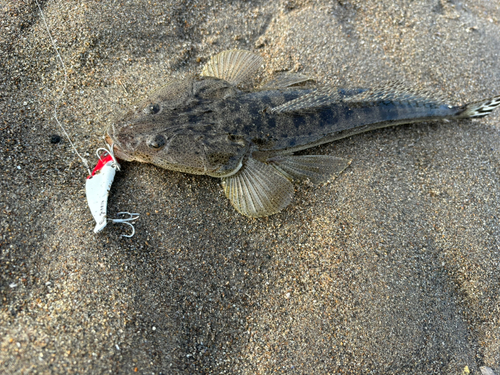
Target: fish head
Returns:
[174, 129]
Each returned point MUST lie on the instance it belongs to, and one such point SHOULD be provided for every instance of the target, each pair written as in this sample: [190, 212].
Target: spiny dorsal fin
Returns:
[233, 66]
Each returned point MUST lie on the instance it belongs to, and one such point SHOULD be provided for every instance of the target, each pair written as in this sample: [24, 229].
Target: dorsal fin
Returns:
[324, 96]
[396, 91]
[233, 66]
[320, 97]
[283, 80]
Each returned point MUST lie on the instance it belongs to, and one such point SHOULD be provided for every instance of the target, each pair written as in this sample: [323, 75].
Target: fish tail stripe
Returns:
[480, 109]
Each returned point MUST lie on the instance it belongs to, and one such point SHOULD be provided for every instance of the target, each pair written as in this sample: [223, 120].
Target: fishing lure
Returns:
[97, 189]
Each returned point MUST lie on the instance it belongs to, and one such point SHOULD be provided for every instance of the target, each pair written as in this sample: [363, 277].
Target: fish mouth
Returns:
[116, 150]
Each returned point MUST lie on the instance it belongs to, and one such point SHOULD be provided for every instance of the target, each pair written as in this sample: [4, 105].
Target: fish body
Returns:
[206, 125]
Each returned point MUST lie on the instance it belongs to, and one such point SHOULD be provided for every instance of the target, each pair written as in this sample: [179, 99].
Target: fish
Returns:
[208, 125]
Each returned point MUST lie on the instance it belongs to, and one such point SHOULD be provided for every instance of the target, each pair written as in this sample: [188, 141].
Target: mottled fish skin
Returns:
[206, 125]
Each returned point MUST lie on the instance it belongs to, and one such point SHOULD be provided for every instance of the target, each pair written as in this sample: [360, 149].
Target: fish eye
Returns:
[152, 109]
[157, 142]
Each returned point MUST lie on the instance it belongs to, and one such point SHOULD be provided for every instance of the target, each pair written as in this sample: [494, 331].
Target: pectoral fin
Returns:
[234, 66]
[258, 189]
[317, 168]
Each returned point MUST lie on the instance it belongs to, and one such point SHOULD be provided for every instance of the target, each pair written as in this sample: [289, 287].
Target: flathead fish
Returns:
[206, 125]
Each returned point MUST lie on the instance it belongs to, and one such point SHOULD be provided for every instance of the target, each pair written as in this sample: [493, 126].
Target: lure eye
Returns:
[152, 109]
[157, 142]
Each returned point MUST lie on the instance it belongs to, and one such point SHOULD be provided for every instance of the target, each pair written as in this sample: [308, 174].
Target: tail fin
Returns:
[480, 109]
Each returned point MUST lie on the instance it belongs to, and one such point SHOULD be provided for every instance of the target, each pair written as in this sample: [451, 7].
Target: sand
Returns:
[393, 268]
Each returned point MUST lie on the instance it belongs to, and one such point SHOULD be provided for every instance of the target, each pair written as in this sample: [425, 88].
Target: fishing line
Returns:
[131, 216]
[84, 161]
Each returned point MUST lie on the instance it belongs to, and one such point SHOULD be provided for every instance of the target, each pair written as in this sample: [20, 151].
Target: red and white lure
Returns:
[97, 190]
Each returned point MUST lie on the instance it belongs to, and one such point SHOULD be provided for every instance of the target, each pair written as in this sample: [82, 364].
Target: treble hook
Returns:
[131, 217]
[109, 151]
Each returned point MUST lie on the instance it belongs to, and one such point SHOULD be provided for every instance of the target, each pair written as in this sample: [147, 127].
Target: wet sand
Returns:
[393, 268]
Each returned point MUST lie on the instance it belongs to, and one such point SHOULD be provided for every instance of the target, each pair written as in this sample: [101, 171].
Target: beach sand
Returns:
[392, 268]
